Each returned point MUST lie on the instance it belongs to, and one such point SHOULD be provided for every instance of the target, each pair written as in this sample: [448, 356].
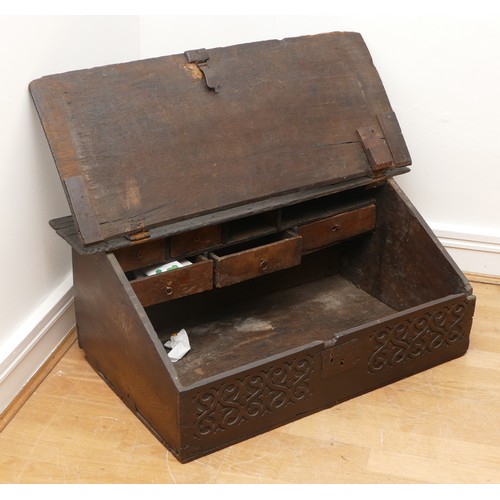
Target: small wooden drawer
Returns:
[176, 283]
[337, 227]
[141, 255]
[195, 241]
[285, 251]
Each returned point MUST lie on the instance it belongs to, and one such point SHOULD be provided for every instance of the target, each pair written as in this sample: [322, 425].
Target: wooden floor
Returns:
[440, 426]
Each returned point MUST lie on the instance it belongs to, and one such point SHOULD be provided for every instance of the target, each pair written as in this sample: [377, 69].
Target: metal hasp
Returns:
[200, 57]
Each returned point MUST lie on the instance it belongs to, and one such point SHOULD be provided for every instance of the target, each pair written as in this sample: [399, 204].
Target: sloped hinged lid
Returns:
[153, 142]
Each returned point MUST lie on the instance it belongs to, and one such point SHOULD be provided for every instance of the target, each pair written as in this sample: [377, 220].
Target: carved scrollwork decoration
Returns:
[240, 400]
[410, 338]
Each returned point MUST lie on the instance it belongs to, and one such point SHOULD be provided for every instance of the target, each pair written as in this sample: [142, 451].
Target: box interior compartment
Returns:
[333, 289]
[244, 323]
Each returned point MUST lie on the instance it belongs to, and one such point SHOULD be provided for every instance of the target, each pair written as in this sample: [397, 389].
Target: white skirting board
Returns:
[26, 350]
[32, 344]
[474, 252]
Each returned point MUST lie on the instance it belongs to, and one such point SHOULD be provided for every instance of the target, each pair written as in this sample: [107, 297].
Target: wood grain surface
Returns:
[440, 426]
[136, 143]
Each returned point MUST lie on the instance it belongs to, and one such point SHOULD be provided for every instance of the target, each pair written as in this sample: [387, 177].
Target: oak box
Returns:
[269, 168]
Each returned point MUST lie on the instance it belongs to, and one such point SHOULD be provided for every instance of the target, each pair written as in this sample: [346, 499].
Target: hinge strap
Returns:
[138, 236]
[376, 149]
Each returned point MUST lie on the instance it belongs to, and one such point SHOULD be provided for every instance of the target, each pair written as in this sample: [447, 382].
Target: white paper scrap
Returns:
[179, 343]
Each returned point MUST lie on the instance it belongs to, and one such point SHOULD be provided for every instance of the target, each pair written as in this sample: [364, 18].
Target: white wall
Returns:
[35, 263]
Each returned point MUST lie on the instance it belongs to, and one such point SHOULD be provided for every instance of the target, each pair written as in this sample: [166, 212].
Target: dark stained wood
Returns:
[254, 262]
[198, 240]
[395, 140]
[149, 137]
[63, 223]
[403, 264]
[121, 345]
[376, 149]
[321, 208]
[83, 207]
[176, 283]
[66, 228]
[254, 226]
[246, 402]
[272, 324]
[337, 227]
[313, 266]
[238, 404]
[266, 164]
[141, 255]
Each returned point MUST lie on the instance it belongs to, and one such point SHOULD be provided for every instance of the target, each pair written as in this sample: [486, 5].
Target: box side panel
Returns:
[402, 264]
[238, 406]
[120, 344]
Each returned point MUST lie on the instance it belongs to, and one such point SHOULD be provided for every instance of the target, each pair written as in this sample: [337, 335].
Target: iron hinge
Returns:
[139, 235]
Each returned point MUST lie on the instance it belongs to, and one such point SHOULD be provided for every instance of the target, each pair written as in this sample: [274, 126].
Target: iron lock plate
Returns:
[339, 359]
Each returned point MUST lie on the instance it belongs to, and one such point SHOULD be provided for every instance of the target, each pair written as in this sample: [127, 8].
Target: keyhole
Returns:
[335, 227]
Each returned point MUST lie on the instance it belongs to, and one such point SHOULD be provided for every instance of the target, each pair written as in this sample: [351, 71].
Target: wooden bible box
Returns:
[268, 166]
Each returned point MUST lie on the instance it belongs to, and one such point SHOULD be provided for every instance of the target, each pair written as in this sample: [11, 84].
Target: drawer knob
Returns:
[264, 264]
[335, 227]
[168, 290]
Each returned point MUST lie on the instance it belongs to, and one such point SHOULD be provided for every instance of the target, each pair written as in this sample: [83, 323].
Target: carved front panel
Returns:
[402, 341]
[260, 393]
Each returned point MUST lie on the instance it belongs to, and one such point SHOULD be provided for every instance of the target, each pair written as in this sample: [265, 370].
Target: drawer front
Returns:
[174, 284]
[248, 264]
[337, 227]
[141, 255]
[195, 241]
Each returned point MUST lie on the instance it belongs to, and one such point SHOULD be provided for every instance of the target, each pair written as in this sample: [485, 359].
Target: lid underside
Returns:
[158, 141]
